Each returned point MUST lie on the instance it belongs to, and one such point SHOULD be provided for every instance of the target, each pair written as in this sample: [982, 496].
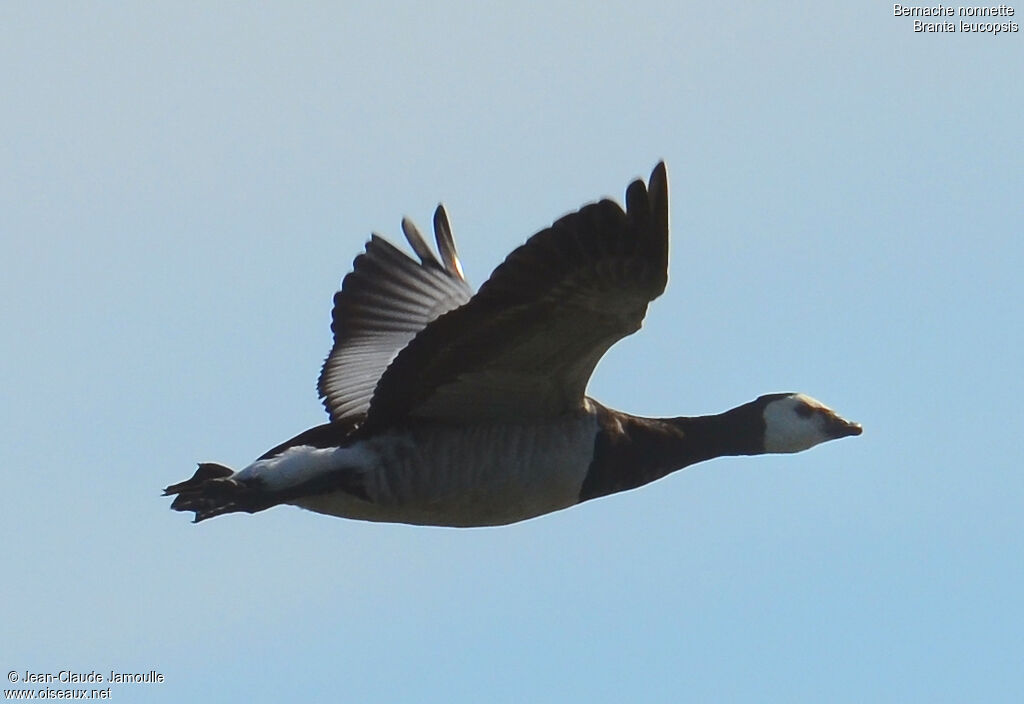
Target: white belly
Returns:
[481, 475]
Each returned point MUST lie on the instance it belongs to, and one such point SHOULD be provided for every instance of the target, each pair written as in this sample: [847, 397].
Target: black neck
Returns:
[631, 451]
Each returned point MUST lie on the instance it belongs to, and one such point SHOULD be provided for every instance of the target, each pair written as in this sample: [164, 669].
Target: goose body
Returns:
[454, 409]
[475, 475]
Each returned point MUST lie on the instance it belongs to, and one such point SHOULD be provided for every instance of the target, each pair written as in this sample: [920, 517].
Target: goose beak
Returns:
[841, 428]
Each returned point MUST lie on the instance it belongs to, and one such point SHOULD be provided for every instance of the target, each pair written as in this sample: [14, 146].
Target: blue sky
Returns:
[184, 185]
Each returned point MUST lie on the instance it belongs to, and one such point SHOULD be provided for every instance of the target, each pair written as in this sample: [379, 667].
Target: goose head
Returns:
[794, 422]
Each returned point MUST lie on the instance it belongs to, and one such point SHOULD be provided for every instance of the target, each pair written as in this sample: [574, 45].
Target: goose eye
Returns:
[804, 411]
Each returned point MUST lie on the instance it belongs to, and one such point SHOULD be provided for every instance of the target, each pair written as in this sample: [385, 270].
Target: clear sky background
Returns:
[183, 185]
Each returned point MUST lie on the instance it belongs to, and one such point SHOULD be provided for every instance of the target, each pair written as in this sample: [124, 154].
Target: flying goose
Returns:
[450, 408]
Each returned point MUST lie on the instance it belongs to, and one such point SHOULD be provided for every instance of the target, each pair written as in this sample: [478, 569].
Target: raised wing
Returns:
[383, 303]
[526, 344]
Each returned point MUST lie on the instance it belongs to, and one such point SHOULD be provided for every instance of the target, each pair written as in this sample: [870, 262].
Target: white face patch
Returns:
[795, 422]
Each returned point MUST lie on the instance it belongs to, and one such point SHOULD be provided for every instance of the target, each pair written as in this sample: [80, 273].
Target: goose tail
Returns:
[214, 490]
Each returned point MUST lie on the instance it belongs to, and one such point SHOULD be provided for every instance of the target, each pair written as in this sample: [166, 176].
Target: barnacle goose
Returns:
[451, 408]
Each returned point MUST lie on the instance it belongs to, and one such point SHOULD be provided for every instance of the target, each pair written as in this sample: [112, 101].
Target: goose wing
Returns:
[525, 345]
[383, 303]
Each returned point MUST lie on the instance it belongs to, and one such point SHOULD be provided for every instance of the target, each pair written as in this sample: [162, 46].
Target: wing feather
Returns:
[383, 303]
[525, 345]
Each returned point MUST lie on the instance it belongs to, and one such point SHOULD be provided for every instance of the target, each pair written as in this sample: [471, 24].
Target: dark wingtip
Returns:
[659, 174]
[657, 190]
[651, 197]
[636, 199]
[446, 242]
[418, 244]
